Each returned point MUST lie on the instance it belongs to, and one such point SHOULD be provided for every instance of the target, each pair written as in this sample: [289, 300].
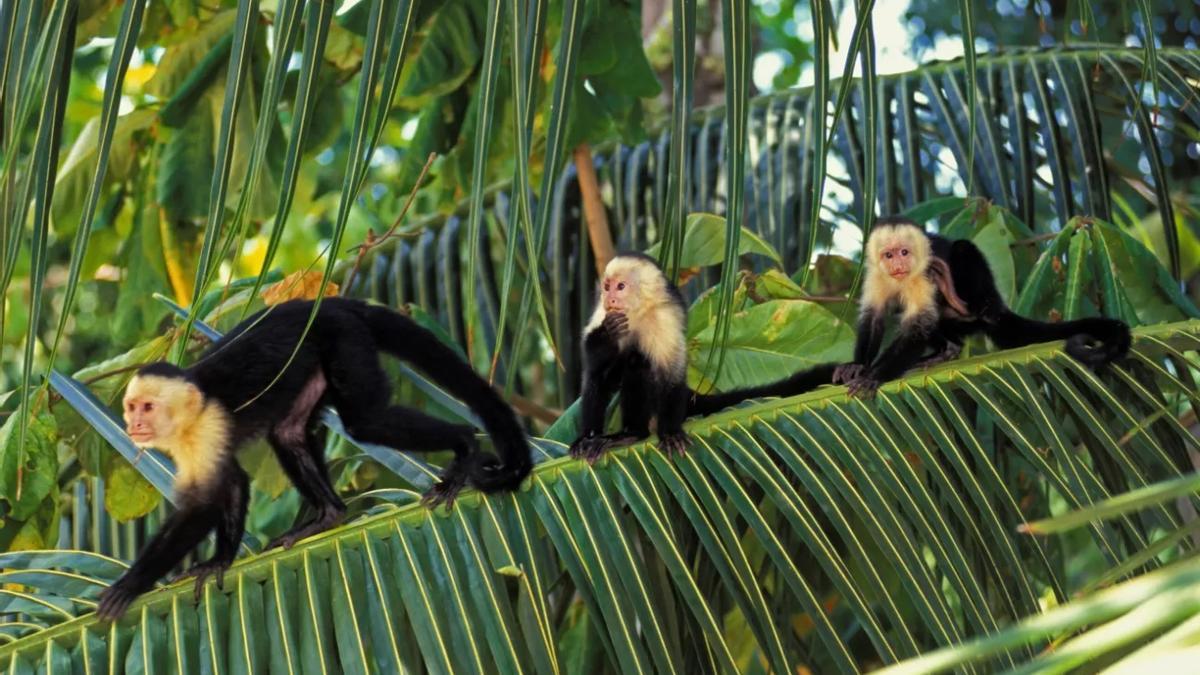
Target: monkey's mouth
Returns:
[141, 436]
[899, 274]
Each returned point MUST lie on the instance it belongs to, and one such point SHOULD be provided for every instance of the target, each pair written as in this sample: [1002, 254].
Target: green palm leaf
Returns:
[801, 520]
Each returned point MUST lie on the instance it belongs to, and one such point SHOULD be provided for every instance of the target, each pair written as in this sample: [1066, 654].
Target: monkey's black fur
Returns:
[337, 364]
[648, 391]
[1093, 341]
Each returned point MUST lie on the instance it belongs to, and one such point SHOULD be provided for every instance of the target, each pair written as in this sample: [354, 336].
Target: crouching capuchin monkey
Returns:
[201, 415]
[944, 292]
[635, 344]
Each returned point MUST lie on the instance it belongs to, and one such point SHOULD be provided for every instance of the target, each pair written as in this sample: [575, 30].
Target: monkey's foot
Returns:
[594, 447]
[114, 601]
[591, 449]
[863, 387]
[675, 444]
[202, 571]
[848, 372]
[452, 481]
[324, 521]
[582, 447]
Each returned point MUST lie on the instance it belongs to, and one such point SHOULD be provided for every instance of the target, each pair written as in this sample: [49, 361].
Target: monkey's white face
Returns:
[619, 292]
[897, 258]
[157, 408]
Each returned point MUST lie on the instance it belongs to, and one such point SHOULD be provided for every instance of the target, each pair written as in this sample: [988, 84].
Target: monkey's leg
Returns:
[672, 410]
[232, 524]
[305, 466]
[636, 408]
[407, 429]
[359, 389]
[599, 384]
[637, 402]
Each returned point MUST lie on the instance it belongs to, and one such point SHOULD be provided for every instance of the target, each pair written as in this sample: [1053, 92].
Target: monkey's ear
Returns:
[193, 399]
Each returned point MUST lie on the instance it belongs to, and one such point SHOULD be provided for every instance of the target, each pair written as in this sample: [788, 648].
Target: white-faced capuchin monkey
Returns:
[943, 291]
[635, 344]
[201, 415]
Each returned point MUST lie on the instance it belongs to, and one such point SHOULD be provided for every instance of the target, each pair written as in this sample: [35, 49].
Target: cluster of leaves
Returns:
[148, 228]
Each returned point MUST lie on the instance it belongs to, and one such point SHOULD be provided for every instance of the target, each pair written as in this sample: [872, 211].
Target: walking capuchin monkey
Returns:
[635, 344]
[201, 415]
[944, 292]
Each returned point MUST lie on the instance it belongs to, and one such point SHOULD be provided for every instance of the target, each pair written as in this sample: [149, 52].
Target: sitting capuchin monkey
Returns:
[201, 415]
[943, 291]
[635, 344]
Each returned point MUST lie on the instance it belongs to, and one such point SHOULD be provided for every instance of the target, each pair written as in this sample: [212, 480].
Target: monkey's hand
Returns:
[848, 372]
[115, 600]
[202, 571]
[863, 386]
[616, 324]
[675, 444]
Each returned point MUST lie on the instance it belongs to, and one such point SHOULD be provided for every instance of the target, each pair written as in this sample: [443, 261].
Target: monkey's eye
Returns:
[620, 287]
[903, 251]
[147, 407]
[888, 255]
[606, 285]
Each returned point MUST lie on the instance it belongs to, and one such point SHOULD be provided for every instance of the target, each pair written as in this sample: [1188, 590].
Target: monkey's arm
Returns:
[230, 524]
[602, 354]
[182, 531]
[905, 352]
[866, 346]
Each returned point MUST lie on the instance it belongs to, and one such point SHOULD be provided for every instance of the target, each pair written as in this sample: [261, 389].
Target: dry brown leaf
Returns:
[302, 285]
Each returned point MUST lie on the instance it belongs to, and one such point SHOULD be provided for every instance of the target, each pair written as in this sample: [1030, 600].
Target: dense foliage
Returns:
[167, 167]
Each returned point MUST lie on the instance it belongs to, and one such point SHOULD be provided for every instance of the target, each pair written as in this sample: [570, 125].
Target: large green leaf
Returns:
[451, 49]
[704, 242]
[771, 340]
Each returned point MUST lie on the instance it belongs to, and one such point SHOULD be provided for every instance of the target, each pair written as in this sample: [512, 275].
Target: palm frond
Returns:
[806, 521]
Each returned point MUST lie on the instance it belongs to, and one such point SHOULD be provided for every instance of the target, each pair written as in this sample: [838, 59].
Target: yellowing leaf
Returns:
[260, 462]
[302, 285]
[127, 494]
[28, 538]
[34, 467]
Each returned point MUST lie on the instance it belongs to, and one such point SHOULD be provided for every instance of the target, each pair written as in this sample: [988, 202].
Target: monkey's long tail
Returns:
[402, 337]
[1093, 341]
[805, 380]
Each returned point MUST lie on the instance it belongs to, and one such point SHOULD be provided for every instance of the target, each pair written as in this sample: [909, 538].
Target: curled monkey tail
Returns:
[805, 380]
[402, 337]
